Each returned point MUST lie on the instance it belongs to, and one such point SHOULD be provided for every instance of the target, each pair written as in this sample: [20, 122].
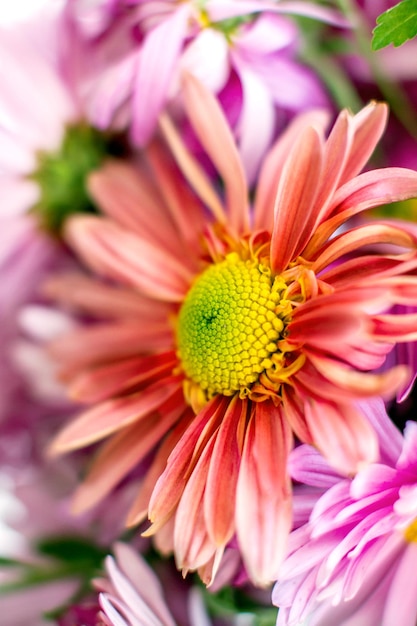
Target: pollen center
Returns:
[228, 327]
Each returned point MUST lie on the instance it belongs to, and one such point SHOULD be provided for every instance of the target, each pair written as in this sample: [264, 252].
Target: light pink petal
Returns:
[214, 133]
[155, 70]
[102, 301]
[139, 572]
[263, 504]
[361, 385]
[119, 254]
[92, 345]
[17, 196]
[256, 122]
[295, 198]
[368, 190]
[266, 35]
[186, 211]
[105, 381]
[207, 58]
[111, 416]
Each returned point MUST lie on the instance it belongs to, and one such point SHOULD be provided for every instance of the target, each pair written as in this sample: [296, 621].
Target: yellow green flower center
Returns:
[228, 326]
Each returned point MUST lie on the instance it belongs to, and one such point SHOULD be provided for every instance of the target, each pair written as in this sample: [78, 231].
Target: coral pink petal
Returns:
[186, 212]
[193, 546]
[352, 240]
[395, 327]
[122, 256]
[368, 126]
[155, 71]
[192, 170]
[342, 434]
[274, 162]
[109, 380]
[102, 301]
[124, 451]
[295, 198]
[139, 510]
[96, 344]
[361, 384]
[172, 482]
[214, 133]
[293, 408]
[111, 416]
[366, 191]
[263, 501]
[127, 195]
[362, 269]
[220, 491]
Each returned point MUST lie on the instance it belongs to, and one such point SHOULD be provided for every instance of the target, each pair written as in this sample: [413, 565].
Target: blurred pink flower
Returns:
[246, 51]
[354, 561]
[222, 407]
[133, 596]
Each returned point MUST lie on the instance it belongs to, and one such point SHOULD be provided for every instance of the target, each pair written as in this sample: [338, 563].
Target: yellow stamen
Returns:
[229, 329]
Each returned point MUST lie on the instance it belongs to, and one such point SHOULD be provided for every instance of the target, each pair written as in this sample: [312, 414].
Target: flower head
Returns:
[227, 333]
[353, 562]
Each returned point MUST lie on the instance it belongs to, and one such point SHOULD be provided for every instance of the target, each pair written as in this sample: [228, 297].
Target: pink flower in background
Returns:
[176, 365]
[48, 142]
[354, 561]
[133, 596]
[246, 51]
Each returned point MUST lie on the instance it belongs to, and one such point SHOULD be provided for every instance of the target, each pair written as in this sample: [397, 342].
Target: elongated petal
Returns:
[155, 71]
[111, 416]
[124, 452]
[263, 513]
[220, 491]
[274, 162]
[214, 133]
[122, 256]
[295, 198]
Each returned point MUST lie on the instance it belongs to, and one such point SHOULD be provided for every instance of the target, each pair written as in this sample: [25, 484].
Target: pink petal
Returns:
[214, 133]
[263, 504]
[119, 254]
[295, 198]
[274, 162]
[111, 416]
[125, 451]
[155, 70]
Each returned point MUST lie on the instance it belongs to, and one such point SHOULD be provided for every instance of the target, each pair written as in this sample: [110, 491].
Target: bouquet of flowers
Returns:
[208, 318]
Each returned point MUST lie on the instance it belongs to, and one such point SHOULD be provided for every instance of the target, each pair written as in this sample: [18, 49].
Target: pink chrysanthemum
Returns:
[354, 562]
[247, 51]
[133, 596]
[228, 329]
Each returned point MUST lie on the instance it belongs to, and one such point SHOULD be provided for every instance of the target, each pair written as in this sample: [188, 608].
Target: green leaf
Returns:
[72, 549]
[396, 25]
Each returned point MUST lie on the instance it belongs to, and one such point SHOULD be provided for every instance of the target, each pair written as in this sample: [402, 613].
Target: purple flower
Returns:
[353, 563]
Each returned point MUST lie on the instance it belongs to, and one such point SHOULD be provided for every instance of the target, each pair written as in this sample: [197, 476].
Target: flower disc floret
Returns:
[228, 328]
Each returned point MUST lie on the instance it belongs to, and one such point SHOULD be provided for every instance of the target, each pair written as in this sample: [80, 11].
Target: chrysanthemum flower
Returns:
[354, 562]
[229, 329]
[132, 595]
